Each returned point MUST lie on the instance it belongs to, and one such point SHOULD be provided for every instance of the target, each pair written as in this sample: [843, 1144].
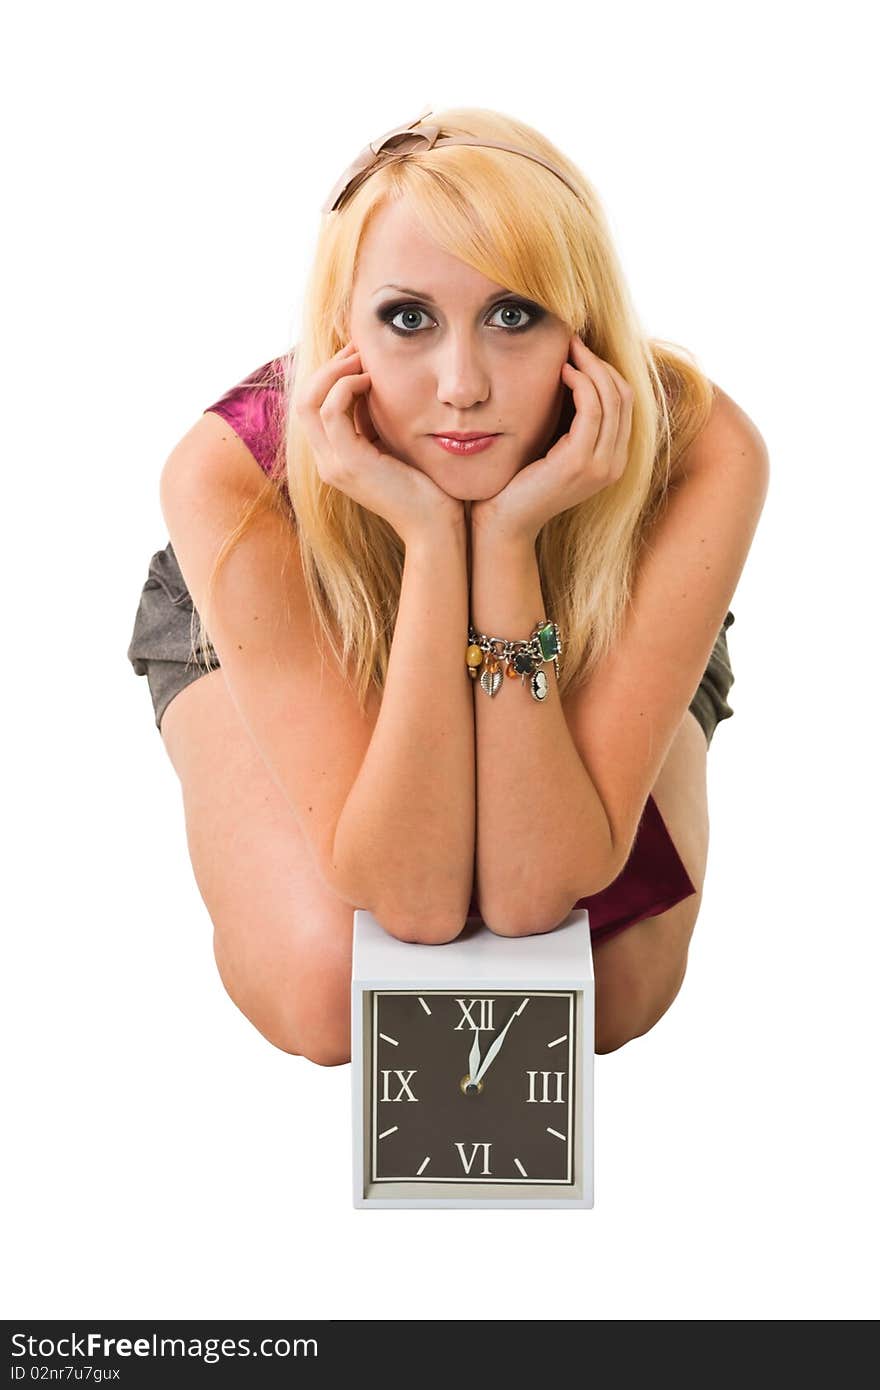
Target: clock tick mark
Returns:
[521, 1168]
[555, 1133]
[423, 1165]
[387, 1039]
[555, 1041]
[424, 1006]
[386, 1132]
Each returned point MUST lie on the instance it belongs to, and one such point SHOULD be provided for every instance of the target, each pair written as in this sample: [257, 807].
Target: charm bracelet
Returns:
[522, 658]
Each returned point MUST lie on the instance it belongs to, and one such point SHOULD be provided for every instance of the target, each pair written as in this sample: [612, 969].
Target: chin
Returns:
[474, 491]
[471, 479]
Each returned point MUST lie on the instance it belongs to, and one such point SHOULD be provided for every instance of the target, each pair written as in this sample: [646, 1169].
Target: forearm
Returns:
[405, 837]
[542, 834]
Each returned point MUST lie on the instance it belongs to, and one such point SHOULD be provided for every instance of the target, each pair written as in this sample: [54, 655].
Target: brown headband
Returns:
[403, 139]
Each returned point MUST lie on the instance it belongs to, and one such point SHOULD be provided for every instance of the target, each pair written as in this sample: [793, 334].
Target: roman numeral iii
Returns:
[545, 1096]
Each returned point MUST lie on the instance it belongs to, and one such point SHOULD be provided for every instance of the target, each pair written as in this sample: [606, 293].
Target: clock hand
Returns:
[475, 1056]
[495, 1048]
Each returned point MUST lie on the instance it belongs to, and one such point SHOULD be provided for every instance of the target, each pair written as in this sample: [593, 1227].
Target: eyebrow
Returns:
[419, 294]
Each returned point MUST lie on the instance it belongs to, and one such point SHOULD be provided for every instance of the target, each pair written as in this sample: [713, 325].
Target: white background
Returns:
[166, 166]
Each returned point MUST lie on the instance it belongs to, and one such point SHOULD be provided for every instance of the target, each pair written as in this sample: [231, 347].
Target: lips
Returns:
[469, 444]
[464, 435]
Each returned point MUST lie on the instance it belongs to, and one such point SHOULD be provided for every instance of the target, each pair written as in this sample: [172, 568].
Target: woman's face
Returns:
[453, 351]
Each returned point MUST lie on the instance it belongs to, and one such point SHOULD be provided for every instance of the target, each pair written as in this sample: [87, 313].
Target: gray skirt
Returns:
[167, 624]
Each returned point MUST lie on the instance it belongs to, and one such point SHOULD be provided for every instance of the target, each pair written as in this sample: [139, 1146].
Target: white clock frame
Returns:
[477, 961]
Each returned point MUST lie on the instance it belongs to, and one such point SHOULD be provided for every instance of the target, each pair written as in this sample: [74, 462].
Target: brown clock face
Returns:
[474, 1088]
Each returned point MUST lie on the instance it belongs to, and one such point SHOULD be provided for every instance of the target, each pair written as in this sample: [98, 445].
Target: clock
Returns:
[472, 1068]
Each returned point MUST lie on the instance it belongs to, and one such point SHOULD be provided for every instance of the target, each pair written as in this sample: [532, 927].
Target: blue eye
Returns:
[516, 309]
[389, 312]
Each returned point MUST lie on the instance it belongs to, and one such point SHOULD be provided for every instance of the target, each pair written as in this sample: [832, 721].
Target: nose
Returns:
[462, 378]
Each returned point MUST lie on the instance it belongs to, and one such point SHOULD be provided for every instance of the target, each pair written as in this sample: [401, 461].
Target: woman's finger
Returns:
[309, 404]
[336, 416]
[363, 421]
[606, 389]
[627, 395]
[584, 430]
[624, 389]
[311, 393]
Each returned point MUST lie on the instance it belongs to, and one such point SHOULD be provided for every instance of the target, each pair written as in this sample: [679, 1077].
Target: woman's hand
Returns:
[333, 409]
[589, 457]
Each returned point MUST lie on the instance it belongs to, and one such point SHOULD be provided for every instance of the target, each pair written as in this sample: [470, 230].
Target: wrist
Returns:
[444, 528]
[489, 524]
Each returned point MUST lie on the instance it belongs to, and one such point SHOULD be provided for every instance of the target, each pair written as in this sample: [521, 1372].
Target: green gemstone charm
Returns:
[548, 640]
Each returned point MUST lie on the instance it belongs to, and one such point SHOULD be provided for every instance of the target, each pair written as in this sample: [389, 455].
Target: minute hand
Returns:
[494, 1049]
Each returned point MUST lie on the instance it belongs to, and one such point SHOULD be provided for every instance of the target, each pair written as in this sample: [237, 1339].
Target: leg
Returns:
[282, 942]
[641, 970]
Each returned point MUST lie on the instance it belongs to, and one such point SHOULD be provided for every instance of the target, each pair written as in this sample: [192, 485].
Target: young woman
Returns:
[373, 716]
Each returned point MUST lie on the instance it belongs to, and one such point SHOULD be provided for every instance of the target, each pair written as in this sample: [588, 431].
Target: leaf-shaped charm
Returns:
[491, 680]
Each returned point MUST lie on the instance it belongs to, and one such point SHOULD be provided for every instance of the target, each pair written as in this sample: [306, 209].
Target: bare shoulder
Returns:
[212, 454]
[729, 438]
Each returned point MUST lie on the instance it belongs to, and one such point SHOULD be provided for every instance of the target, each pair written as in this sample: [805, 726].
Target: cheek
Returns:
[391, 390]
[385, 400]
[543, 398]
[542, 386]
[389, 412]
[386, 371]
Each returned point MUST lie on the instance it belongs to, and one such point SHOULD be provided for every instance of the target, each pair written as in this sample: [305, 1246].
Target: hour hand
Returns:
[475, 1056]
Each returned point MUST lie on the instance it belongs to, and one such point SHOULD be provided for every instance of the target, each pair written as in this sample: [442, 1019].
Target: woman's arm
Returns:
[406, 832]
[384, 798]
[537, 808]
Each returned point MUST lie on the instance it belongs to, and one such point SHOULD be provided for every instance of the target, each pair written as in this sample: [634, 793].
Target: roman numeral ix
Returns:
[404, 1085]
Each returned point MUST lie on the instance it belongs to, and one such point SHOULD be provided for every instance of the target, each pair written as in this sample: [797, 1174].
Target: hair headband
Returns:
[404, 139]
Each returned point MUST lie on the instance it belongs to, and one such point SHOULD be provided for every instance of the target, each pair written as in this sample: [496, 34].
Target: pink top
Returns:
[654, 877]
[255, 410]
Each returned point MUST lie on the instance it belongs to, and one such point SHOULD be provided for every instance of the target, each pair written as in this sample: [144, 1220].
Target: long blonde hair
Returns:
[515, 222]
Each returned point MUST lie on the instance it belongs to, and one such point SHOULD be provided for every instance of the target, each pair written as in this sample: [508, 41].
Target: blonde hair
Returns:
[519, 225]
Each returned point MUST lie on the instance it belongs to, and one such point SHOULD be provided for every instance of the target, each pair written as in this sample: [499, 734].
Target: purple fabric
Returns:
[654, 877]
[652, 880]
[255, 410]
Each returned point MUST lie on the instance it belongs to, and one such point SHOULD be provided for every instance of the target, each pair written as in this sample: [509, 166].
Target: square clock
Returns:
[472, 1068]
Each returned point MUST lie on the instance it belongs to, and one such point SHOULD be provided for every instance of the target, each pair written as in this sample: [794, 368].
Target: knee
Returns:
[308, 1017]
[616, 1014]
[323, 1033]
[325, 1049]
[331, 1059]
[327, 1053]
[624, 1014]
[316, 1020]
[611, 1036]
